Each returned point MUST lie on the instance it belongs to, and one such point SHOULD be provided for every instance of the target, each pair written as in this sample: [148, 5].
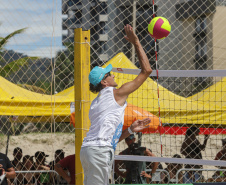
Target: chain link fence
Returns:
[37, 66]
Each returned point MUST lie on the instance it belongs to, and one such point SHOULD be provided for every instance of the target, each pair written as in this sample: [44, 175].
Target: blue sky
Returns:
[43, 20]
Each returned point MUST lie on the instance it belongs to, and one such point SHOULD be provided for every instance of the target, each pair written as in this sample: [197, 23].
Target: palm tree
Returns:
[13, 66]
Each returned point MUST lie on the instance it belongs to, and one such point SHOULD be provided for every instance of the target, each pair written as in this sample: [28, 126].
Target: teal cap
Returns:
[97, 74]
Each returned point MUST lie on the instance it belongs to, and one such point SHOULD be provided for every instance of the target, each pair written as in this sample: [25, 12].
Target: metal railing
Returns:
[55, 178]
[156, 175]
[195, 170]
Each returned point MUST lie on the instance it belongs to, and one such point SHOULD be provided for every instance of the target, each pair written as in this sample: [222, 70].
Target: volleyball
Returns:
[159, 28]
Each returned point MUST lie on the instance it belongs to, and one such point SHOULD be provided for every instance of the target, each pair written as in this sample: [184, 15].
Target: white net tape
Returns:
[175, 73]
[170, 160]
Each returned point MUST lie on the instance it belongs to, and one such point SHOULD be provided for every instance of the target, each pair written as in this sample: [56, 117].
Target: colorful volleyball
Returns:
[159, 28]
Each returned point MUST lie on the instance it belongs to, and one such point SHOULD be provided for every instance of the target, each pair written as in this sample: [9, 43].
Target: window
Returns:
[201, 50]
[200, 24]
[94, 14]
[103, 8]
[74, 2]
[102, 28]
[78, 17]
[201, 47]
[201, 43]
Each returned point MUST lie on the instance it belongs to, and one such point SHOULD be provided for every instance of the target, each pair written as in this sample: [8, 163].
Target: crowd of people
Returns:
[135, 172]
[32, 170]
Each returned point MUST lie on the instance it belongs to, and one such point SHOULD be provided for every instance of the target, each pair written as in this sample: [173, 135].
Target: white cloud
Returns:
[49, 52]
[23, 39]
[29, 5]
[44, 23]
[42, 18]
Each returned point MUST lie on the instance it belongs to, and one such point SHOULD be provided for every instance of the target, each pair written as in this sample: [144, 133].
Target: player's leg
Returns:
[96, 162]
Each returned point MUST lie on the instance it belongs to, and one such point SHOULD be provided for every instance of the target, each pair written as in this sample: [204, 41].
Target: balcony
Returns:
[195, 8]
[103, 37]
[103, 18]
[103, 57]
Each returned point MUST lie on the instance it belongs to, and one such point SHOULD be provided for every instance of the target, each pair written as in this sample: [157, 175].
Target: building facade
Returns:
[188, 47]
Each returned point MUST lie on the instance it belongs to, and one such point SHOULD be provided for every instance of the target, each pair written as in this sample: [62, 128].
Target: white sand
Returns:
[33, 142]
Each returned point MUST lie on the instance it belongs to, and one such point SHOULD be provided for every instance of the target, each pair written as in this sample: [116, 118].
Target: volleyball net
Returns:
[203, 111]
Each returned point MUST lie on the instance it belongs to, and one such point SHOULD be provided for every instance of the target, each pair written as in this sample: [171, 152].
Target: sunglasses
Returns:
[107, 74]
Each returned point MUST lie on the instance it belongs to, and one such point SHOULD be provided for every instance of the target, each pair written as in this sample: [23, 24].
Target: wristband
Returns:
[130, 131]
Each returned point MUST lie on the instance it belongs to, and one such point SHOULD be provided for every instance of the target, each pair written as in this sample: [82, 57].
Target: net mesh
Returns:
[37, 70]
[190, 128]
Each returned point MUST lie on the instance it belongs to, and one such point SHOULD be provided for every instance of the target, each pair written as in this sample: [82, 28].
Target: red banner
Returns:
[182, 130]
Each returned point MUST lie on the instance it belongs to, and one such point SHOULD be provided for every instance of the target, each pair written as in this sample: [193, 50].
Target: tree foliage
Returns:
[13, 66]
[65, 68]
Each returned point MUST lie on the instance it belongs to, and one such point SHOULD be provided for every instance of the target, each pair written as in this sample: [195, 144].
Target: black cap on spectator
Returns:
[40, 154]
[59, 151]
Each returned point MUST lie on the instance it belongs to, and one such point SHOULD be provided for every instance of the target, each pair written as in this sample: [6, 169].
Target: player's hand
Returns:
[130, 35]
[144, 174]
[139, 125]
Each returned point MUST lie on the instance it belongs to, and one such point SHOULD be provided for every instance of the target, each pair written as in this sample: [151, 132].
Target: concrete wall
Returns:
[219, 38]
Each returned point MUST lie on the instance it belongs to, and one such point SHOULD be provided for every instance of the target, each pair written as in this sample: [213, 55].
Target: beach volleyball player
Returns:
[107, 116]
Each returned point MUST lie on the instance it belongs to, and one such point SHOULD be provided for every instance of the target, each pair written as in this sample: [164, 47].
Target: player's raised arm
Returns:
[122, 93]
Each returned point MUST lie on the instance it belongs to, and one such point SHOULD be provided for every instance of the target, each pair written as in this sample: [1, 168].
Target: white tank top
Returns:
[107, 118]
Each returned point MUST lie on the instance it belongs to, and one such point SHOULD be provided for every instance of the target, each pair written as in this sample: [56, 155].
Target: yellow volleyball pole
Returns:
[82, 98]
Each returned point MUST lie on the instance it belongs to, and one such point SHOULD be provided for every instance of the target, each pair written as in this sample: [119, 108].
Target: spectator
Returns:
[59, 155]
[135, 171]
[69, 163]
[43, 178]
[6, 169]
[17, 154]
[16, 162]
[191, 148]
[40, 158]
[28, 164]
[173, 168]
[157, 177]
[221, 155]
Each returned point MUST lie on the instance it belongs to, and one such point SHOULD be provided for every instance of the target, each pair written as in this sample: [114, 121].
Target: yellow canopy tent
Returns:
[214, 95]
[174, 108]
[17, 101]
[30, 106]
